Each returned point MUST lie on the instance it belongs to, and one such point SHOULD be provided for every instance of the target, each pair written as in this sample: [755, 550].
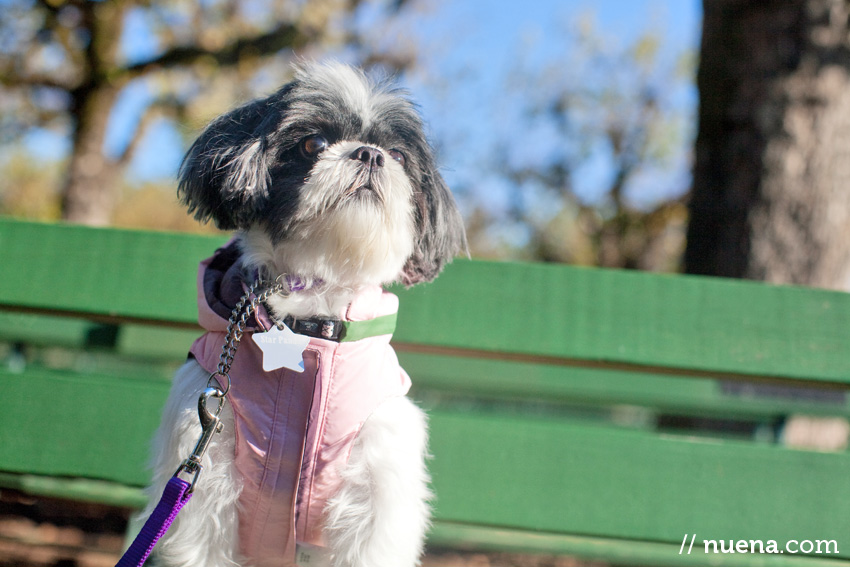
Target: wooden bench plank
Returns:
[146, 341]
[108, 273]
[492, 470]
[134, 340]
[59, 423]
[46, 330]
[482, 378]
[548, 314]
[630, 320]
[512, 380]
[616, 552]
[78, 489]
[561, 477]
[459, 536]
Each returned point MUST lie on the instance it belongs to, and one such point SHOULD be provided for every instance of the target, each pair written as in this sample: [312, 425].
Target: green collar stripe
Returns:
[356, 330]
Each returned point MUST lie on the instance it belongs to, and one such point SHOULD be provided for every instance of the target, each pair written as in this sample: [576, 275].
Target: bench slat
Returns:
[132, 274]
[82, 489]
[488, 469]
[511, 380]
[459, 536]
[45, 330]
[60, 423]
[616, 552]
[560, 477]
[537, 313]
[630, 320]
[452, 375]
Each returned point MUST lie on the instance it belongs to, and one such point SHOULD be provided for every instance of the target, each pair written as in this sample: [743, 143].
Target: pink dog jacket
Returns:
[294, 431]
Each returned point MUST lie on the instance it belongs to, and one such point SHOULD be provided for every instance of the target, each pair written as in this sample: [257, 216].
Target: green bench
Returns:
[559, 397]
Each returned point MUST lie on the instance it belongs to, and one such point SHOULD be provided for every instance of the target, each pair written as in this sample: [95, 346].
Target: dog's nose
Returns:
[373, 157]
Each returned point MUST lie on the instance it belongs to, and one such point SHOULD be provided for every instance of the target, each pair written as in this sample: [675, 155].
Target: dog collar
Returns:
[341, 331]
[336, 330]
[295, 283]
[223, 282]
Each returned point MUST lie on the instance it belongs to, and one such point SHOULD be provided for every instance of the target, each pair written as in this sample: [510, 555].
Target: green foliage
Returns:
[29, 189]
[155, 206]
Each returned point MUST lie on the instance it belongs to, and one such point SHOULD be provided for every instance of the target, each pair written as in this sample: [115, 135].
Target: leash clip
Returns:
[210, 420]
[210, 425]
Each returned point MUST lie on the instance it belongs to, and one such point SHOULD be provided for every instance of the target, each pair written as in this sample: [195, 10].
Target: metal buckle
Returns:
[210, 425]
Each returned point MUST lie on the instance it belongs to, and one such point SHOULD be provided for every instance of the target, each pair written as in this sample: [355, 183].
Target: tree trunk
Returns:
[90, 188]
[771, 189]
[89, 194]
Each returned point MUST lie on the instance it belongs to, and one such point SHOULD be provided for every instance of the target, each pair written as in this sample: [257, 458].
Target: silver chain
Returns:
[210, 419]
[236, 328]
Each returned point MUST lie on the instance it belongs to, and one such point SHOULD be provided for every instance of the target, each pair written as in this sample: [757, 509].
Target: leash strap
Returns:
[174, 497]
[178, 491]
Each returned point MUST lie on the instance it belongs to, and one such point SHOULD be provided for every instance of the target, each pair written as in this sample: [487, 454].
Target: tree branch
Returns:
[10, 78]
[157, 109]
[281, 37]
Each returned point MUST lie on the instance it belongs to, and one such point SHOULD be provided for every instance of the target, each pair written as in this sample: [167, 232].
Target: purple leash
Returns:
[174, 497]
[178, 491]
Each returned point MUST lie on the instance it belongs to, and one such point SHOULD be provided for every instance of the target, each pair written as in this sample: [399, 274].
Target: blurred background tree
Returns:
[579, 104]
[771, 189]
[594, 173]
[65, 63]
[571, 144]
[771, 183]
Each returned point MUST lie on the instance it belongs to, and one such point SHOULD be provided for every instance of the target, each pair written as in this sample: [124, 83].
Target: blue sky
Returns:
[475, 46]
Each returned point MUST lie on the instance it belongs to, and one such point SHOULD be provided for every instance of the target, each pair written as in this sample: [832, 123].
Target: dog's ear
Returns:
[440, 233]
[225, 174]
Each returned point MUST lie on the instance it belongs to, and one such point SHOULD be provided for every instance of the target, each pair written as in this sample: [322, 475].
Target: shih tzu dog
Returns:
[333, 191]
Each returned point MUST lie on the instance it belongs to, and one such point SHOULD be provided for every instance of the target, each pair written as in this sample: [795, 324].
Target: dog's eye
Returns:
[311, 146]
[397, 155]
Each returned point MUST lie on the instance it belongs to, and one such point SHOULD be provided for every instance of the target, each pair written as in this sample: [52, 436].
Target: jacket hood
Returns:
[221, 284]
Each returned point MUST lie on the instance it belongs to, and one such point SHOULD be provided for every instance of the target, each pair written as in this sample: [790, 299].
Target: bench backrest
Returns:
[545, 386]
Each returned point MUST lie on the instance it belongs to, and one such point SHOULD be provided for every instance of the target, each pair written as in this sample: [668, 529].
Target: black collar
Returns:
[328, 329]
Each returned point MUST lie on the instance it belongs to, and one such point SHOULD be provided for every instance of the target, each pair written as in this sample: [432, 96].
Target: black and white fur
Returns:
[330, 179]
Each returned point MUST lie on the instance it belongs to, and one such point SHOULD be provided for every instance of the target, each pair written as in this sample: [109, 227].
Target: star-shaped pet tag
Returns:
[282, 348]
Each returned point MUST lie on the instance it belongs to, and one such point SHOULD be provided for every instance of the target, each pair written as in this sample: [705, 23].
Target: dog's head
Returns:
[335, 173]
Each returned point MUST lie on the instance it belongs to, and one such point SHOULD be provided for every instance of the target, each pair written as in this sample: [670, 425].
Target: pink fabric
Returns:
[294, 430]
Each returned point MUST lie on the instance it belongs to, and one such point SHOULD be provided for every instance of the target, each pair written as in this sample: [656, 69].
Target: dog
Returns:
[333, 191]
